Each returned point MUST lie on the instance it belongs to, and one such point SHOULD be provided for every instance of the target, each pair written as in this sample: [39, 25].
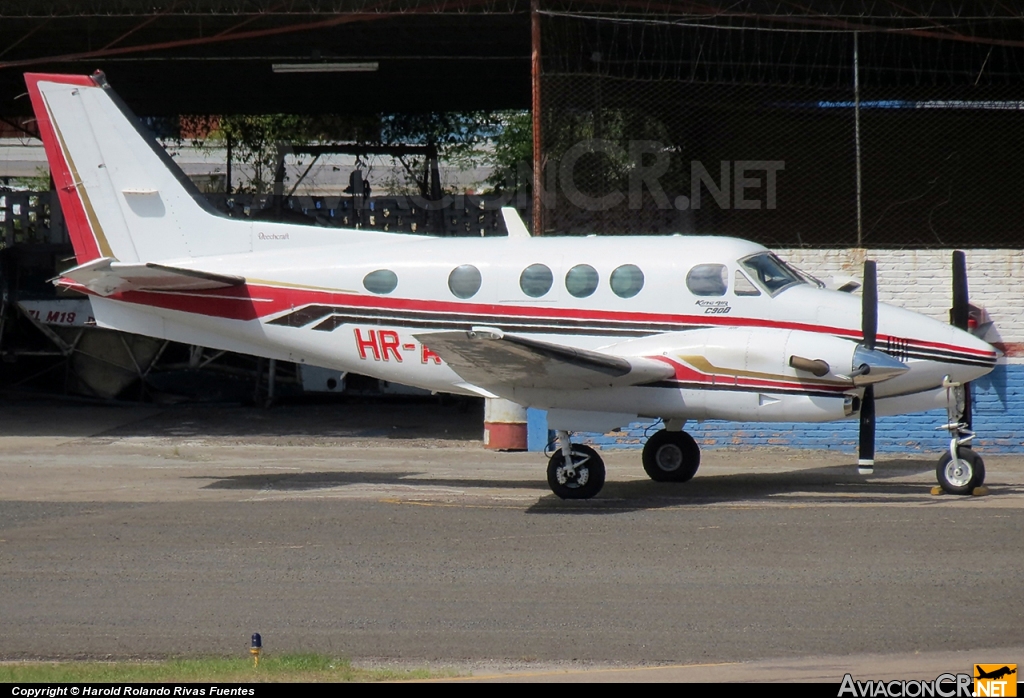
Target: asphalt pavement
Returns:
[385, 532]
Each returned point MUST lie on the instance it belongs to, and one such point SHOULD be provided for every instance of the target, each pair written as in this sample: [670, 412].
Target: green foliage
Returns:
[513, 149]
[291, 667]
[255, 140]
[40, 182]
[602, 169]
[462, 140]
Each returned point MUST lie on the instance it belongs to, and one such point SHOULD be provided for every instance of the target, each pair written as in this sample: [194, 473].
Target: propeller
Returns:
[959, 317]
[869, 328]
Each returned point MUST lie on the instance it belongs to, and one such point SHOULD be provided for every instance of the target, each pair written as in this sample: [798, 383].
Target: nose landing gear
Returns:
[960, 469]
[962, 474]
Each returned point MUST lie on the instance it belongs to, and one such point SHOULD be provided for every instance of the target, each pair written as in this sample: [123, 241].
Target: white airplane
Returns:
[599, 331]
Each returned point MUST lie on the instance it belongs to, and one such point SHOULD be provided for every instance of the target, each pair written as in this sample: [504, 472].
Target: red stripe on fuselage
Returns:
[257, 301]
[688, 374]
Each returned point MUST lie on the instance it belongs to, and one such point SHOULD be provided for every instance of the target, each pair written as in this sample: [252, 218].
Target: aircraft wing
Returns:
[488, 357]
[107, 276]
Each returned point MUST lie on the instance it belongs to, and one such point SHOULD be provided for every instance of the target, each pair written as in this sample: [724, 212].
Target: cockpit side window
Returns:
[708, 280]
[771, 272]
[742, 286]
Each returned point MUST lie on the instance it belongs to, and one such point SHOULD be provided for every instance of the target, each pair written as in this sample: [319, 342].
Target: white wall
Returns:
[921, 280]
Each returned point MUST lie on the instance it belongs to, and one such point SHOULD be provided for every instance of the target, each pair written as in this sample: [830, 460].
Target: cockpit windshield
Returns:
[771, 272]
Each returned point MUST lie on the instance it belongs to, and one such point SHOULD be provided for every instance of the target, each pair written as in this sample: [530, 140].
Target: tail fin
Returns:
[122, 195]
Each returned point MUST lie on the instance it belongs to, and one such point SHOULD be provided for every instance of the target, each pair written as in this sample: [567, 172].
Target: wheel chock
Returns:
[937, 490]
[980, 491]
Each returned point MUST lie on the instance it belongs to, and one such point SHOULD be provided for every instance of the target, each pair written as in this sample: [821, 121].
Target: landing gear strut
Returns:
[575, 471]
[671, 456]
[960, 469]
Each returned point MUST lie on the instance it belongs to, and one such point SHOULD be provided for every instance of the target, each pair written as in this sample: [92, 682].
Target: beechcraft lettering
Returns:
[597, 331]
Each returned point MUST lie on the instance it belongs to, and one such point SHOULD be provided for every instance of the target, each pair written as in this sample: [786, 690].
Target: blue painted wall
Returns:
[998, 421]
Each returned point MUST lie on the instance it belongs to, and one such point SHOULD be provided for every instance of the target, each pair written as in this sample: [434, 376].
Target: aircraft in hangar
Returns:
[598, 331]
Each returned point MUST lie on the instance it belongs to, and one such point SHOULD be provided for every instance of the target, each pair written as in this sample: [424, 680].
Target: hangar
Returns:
[893, 128]
[906, 100]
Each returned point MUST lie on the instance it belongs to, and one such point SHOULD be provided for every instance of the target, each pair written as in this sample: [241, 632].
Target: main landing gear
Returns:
[671, 456]
[576, 471]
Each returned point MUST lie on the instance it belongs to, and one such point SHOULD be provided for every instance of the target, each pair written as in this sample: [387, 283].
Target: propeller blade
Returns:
[959, 316]
[869, 307]
[866, 455]
[869, 328]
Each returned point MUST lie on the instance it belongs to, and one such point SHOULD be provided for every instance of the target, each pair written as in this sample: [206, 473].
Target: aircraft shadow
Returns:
[324, 480]
[385, 418]
[830, 484]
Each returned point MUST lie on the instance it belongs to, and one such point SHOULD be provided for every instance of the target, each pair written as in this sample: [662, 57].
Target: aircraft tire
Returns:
[671, 456]
[962, 477]
[589, 477]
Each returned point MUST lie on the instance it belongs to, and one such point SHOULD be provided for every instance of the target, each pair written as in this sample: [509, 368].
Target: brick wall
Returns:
[919, 280]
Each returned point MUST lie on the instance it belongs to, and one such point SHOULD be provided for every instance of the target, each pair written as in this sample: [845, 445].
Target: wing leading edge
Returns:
[489, 358]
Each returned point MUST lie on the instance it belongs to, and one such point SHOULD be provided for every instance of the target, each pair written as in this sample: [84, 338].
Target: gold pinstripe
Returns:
[94, 223]
[702, 364]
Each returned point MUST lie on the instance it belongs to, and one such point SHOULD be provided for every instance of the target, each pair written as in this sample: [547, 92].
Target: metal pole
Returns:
[856, 131]
[535, 67]
[271, 379]
[228, 144]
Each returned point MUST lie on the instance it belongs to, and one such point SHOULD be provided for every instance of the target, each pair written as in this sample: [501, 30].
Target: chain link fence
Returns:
[847, 133]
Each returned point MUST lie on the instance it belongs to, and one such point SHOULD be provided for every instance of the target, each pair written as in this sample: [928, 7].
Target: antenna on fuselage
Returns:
[514, 223]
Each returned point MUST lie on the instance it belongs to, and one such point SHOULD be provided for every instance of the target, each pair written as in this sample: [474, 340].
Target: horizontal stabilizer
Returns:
[490, 358]
[107, 276]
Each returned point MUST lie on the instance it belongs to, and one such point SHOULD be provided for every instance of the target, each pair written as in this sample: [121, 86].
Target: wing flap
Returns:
[107, 276]
[490, 358]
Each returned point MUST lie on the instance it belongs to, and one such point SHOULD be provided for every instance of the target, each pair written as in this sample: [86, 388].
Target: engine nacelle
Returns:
[758, 374]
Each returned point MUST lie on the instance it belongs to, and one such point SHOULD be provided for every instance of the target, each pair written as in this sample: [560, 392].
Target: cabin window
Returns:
[626, 281]
[581, 281]
[708, 280]
[536, 280]
[381, 281]
[464, 281]
[742, 286]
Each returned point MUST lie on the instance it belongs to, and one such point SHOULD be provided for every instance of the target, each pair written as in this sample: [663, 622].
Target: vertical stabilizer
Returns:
[122, 195]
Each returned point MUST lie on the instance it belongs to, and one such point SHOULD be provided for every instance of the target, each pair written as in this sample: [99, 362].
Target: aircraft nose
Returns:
[974, 357]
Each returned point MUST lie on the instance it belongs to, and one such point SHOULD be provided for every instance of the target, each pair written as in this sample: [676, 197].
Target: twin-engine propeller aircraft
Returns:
[599, 331]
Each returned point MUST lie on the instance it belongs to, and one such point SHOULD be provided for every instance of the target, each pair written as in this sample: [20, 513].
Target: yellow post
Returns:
[255, 648]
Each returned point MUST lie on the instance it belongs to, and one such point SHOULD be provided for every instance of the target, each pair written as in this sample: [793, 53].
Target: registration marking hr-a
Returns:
[384, 345]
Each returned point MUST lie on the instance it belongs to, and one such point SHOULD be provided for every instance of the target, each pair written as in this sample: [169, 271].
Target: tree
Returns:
[254, 142]
[462, 140]
[513, 149]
